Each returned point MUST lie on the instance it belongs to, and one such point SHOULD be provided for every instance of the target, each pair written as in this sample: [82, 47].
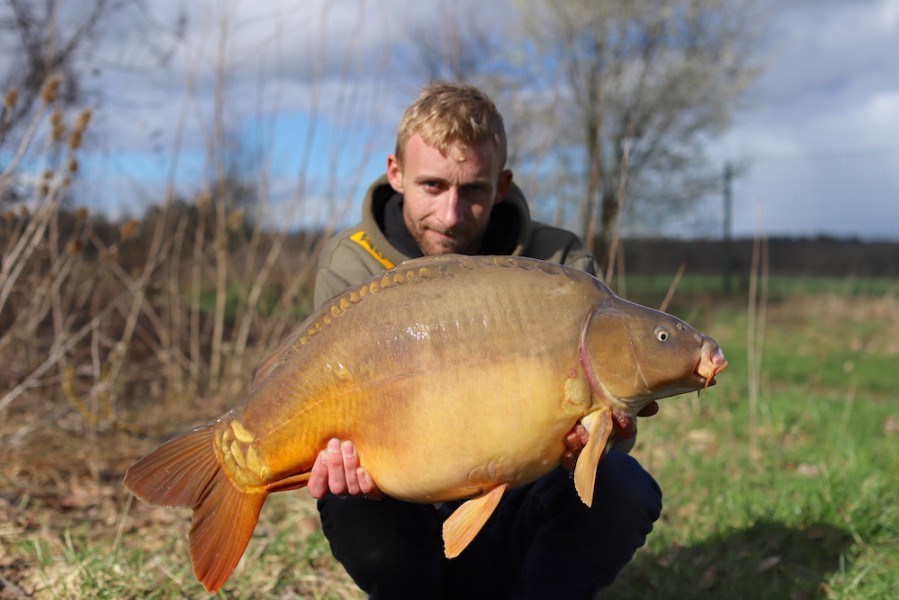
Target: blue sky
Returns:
[817, 144]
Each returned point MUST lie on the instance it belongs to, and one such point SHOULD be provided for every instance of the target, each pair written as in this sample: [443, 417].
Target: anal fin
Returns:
[465, 523]
[599, 426]
[292, 482]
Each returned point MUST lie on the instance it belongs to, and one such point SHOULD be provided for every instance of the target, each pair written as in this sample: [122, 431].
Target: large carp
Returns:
[456, 377]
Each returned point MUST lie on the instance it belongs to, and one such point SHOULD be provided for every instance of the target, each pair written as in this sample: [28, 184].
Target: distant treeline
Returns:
[816, 257]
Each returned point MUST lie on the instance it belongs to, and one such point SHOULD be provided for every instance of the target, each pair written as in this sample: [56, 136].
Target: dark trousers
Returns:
[541, 542]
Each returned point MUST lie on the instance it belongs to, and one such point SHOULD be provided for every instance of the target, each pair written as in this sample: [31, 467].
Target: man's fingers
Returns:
[350, 465]
[367, 484]
[336, 470]
[318, 477]
[582, 433]
[336, 474]
[577, 438]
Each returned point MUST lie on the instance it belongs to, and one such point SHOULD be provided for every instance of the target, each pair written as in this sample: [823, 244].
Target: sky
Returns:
[819, 138]
[317, 87]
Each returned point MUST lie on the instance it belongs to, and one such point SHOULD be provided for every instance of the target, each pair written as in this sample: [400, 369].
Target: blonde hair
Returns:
[447, 113]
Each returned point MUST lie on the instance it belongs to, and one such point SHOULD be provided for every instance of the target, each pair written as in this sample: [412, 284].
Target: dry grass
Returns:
[113, 338]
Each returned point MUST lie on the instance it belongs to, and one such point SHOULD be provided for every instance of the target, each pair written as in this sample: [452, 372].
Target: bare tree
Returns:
[460, 42]
[44, 40]
[454, 45]
[633, 90]
[39, 47]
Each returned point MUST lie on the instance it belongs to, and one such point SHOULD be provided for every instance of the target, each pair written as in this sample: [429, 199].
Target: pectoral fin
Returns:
[464, 524]
[599, 426]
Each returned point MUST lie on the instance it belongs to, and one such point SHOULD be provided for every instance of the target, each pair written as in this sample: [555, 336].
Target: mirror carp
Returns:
[455, 376]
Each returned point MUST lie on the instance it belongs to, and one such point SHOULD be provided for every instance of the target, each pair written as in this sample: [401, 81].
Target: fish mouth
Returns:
[711, 362]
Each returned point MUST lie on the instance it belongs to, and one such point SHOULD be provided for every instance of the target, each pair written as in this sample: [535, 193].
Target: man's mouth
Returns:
[447, 234]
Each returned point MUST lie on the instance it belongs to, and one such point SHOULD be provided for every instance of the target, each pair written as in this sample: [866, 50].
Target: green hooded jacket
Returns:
[358, 253]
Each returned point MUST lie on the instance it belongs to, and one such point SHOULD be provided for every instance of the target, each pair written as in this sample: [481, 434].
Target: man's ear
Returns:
[503, 183]
[395, 173]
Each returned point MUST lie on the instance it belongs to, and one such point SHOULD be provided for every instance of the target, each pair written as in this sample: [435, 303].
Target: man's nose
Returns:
[449, 211]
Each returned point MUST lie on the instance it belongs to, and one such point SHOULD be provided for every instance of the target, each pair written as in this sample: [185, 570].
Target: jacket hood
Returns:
[508, 230]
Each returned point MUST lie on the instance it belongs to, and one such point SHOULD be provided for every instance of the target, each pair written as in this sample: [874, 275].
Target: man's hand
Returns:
[578, 437]
[336, 470]
[575, 441]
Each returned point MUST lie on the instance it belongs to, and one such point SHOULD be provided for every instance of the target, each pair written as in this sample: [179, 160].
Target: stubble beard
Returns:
[444, 245]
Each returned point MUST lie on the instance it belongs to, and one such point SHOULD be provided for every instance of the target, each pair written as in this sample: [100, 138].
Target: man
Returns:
[447, 191]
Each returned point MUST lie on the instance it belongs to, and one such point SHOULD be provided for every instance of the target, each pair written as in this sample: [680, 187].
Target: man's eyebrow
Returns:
[476, 184]
[426, 178]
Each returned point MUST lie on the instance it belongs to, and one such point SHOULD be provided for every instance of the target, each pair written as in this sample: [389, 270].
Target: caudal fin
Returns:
[185, 472]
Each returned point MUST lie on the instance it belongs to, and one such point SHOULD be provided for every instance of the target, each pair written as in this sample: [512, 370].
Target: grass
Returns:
[800, 505]
[811, 513]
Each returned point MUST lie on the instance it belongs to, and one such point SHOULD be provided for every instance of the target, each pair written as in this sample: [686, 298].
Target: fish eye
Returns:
[662, 334]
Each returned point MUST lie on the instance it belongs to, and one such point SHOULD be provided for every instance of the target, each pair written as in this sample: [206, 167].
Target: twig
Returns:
[120, 529]
[23, 145]
[755, 332]
[619, 198]
[220, 233]
[54, 356]
[11, 588]
[672, 288]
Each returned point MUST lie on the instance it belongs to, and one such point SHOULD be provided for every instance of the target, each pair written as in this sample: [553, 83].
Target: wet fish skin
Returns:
[454, 376]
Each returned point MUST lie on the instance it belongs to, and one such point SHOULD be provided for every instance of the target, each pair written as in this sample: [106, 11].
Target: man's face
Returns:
[448, 196]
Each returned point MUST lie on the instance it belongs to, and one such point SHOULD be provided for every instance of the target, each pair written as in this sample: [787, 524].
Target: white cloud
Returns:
[822, 133]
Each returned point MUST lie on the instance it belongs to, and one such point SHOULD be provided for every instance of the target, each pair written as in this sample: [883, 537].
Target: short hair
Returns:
[447, 113]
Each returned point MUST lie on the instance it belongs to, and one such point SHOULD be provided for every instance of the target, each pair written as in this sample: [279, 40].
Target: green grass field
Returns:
[778, 484]
[794, 497]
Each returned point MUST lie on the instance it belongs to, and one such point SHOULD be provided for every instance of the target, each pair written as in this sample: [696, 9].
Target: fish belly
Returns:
[469, 430]
[446, 386]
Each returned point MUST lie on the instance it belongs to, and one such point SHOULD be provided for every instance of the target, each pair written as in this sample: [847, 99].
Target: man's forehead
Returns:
[446, 142]
[453, 148]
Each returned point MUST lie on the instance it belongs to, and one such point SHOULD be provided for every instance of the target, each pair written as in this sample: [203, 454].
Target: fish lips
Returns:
[711, 362]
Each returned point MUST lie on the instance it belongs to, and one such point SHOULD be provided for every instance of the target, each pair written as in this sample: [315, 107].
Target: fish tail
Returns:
[186, 472]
